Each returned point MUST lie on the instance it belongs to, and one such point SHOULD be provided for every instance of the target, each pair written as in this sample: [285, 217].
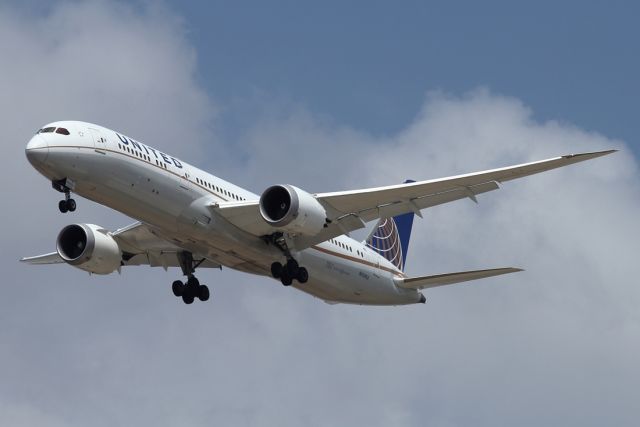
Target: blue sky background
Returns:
[369, 64]
[329, 96]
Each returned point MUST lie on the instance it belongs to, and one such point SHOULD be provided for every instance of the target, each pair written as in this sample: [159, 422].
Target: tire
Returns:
[276, 270]
[292, 267]
[203, 293]
[286, 279]
[71, 205]
[62, 205]
[303, 275]
[187, 299]
[178, 288]
[193, 281]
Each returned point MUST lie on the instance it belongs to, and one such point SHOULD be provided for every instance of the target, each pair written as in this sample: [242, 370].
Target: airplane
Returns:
[191, 219]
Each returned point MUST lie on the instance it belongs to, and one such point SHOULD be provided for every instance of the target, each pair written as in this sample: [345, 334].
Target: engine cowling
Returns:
[291, 209]
[90, 248]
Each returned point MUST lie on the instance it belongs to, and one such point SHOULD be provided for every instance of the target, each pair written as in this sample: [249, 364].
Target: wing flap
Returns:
[163, 259]
[429, 200]
[142, 245]
[425, 282]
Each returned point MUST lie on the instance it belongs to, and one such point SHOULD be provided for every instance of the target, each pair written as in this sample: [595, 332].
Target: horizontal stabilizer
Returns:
[52, 258]
[451, 278]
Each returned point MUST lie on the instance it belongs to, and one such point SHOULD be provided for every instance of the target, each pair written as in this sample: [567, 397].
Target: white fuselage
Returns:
[174, 198]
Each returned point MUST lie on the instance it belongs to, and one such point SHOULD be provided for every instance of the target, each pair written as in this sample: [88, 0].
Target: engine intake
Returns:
[291, 209]
[89, 248]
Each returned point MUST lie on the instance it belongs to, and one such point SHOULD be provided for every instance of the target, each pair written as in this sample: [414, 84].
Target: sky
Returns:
[327, 97]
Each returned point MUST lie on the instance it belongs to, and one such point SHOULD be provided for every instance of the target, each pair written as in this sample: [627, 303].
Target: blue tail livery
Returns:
[390, 238]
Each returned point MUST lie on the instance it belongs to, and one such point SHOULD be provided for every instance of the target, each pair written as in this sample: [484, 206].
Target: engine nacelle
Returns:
[291, 209]
[89, 248]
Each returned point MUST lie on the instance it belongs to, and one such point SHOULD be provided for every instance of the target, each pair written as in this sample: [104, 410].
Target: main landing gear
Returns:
[291, 270]
[192, 289]
[68, 204]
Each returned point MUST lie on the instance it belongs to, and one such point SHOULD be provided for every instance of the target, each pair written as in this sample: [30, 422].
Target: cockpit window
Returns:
[62, 131]
[46, 130]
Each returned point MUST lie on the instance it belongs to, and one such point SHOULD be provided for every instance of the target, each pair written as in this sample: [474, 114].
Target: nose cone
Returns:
[37, 150]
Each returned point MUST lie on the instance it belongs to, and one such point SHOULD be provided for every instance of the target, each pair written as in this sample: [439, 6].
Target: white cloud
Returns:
[512, 339]
[554, 345]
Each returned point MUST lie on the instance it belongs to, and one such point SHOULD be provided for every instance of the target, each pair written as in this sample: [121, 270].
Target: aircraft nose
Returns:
[37, 150]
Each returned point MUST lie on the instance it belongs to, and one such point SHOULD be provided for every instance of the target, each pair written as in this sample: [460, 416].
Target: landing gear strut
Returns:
[68, 204]
[192, 289]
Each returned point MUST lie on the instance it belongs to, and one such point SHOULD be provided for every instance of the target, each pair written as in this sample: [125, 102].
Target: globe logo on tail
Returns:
[385, 240]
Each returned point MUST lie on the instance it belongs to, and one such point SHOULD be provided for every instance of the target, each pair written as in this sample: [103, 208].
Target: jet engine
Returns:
[90, 248]
[291, 209]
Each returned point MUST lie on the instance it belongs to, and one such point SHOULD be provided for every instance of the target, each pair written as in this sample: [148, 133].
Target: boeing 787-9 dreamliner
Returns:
[191, 219]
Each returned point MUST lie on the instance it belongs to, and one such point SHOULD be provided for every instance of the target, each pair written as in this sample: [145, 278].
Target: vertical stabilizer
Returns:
[390, 238]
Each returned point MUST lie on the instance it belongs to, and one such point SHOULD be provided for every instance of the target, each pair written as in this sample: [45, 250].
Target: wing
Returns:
[451, 278]
[140, 245]
[350, 210]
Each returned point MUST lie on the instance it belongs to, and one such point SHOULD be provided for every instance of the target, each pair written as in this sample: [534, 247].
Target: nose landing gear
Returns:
[68, 204]
[63, 186]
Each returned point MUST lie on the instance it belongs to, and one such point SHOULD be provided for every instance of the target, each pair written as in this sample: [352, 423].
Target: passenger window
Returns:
[62, 131]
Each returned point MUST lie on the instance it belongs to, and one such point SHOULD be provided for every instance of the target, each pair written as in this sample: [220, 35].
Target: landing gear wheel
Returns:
[292, 267]
[62, 205]
[71, 205]
[203, 293]
[286, 278]
[192, 281]
[178, 288]
[303, 275]
[187, 299]
[276, 270]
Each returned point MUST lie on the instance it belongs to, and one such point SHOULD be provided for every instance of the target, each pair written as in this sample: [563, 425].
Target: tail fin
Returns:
[390, 238]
